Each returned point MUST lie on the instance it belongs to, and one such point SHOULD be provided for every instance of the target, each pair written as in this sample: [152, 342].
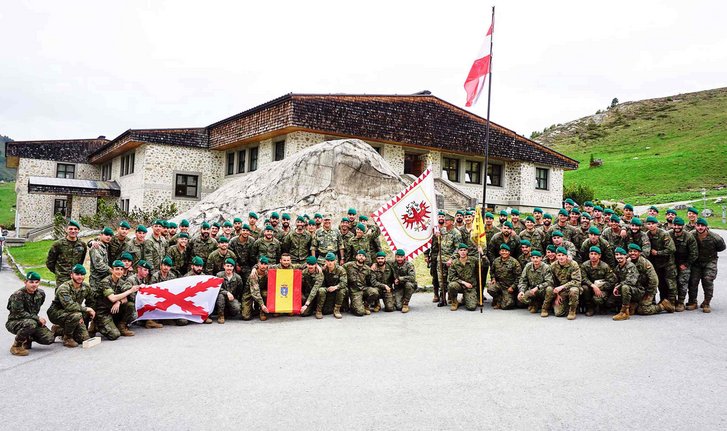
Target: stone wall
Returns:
[132, 185]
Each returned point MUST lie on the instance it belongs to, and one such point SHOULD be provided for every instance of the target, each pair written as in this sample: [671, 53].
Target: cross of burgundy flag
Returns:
[480, 68]
[192, 298]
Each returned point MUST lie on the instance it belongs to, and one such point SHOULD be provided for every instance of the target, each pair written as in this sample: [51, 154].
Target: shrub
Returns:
[579, 193]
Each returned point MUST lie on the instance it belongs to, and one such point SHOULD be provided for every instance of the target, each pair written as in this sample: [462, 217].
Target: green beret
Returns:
[636, 221]
[205, 225]
[525, 242]
[633, 246]
[441, 213]
[557, 233]
[530, 218]
[126, 256]
[237, 220]
[172, 225]
[563, 211]
[598, 208]
[551, 247]
[345, 220]
[72, 222]
[311, 222]
[561, 250]
[167, 261]
[489, 215]
[144, 264]
[223, 240]
[671, 211]
[246, 226]
[448, 217]
[693, 210]
[570, 201]
[330, 256]
[165, 224]
[586, 215]
[679, 221]
[230, 261]
[588, 204]
[400, 252]
[275, 215]
[317, 215]
[461, 245]
[125, 224]
[508, 224]
[32, 276]
[252, 215]
[381, 254]
[118, 264]
[269, 227]
[654, 208]
[575, 211]
[300, 218]
[619, 250]
[311, 260]
[352, 211]
[616, 218]
[651, 219]
[107, 231]
[197, 261]
[459, 212]
[548, 216]
[306, 217]
[264, 260]
[702, 221]
[609, 211]
[468, 213]
[363, 218]
[227, 223]
[629, 207]
[594, 230]
[537, 210]
[184, 235]
[362, 251]
[78, 269]
[157, 222]
[216, 224]
[594, 249]
[515, 212]
[504, 247]
[184, 223]
[361, 227]
[536, 253]
[286, 216]
[503, 213]
[141, 228]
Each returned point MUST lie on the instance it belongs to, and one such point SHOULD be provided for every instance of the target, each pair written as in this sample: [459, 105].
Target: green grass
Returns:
[653, 151]
[32, 257]
[7, 204]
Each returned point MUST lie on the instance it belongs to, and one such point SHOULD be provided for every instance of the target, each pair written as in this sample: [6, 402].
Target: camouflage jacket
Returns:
[255, 280]
[327, 240]
[216, 261]
[602, 271]
[157, 277]
[464, 271]
[134, 280]
[100, 268]
[535, 237]
[202, 247]
[180, 258]
[104, 289]
[606, 251]
[311, 283]
[116, 247]
[641, 239]
[298, 245]
[139, 250]
[269, 249]
[572, 251]
[539, 278]
[23, 305]
[493, 247]
[384, 274]
[523, 259]
[489, 233]
[614, 238]
[661, 241]
[63, 255]
[647, 275]
[243, 251]
[685, 248]
[358, 243]
[568, 275]
[568, 231]
[158, 250]
[280, 234]
[233, 285]
[450, 239]
[405, 272]
[360, 277]
[337, 277]
[708, 247]
[627, 275]
[70, 299]
[506, 272]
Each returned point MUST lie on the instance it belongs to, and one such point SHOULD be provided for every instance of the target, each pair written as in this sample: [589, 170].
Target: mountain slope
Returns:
[5, 173]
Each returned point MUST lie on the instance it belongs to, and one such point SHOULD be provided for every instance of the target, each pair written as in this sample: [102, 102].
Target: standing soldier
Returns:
[502, 218]
[119, 241]
[65, 253]
[252, 219]
[171, 232]
[563, 226]
[649, 281]
[384, 274]
[203, 244]
[628, 215]
[559, 241]
[538, 217]
[598, 220]
[597, 281]
[139, 247]
[670, 216]
[534, 281]
[505, 236]
[267, 246]
[311, 282]
[490, 228]
[280, 233]
[504, 278]
[318, 219]
[100, 268]
[113, 310]
[449, 240]
[588, 208]
[227, 303]
[346, 236]
[180, 254]
[709, 244]
[362, 285]
[692, 215]
[462, 278]
[227, 229]
[567, 282]
[375, 243]
[327, 240]
[533, 235]
[615, 234]
[237, 225]
[67, 310]
[298, 242]
[311, 228]
[216, 260]
[430, 256]
[214, 230]
[242, 247]
[547, 229]
[405, 281]
[525, 252]
[581, 235]
[662, 257]
[684, 257]
[574, 219]
[334, 290]
[635, 235]
[360, 241]
[596, 240]
[159, 244]
[259, 277]
[24, 320]
[517, 224]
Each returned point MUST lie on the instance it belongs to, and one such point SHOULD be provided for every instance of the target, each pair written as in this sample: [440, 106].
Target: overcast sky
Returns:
[79, 69]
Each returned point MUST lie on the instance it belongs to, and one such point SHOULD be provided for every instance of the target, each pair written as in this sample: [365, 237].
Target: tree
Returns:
[614, 102]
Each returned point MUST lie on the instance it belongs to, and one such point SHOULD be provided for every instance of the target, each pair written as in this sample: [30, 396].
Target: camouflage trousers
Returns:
[469, 296]
[532, 298]
[706, 273]
[568, 298]
[360, 299]
[107, 323]
[683, 277]
[327, 300]
[646, 305]
[227, 308]
[29, 330]
[388, 298]
[629, 294]
[442, 265]
[71, 322]
[501, 296]
[402, 294]
[589, 298]
[667, 281]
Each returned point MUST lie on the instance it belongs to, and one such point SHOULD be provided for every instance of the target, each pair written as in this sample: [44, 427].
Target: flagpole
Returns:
[487, 144]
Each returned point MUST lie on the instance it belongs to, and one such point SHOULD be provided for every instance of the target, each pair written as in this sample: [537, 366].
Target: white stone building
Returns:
[144, 168]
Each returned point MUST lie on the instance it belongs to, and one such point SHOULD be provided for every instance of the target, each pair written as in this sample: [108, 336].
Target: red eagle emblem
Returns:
[417, 216]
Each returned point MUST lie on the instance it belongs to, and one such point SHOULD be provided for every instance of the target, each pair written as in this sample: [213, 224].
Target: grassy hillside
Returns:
[7, 204]
[653, 151]
[6, 174]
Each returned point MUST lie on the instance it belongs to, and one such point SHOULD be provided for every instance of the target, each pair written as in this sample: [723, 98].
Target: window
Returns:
[186, 186]
[541, 178]
[450, 167]
[65, 171]
[379, 150]
[124, 205]
[253, 159]
[106, 172]
[241, 161]
[127, 164]
[230, 163]
[279, 151]
[60, 206]
[473, 172]
[495, 174]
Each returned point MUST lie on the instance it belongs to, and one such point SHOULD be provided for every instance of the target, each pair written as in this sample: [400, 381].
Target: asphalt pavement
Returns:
[430, 369]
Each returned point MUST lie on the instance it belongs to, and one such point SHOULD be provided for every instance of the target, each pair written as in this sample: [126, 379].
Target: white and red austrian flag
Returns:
[480, 68]
[407, 221]
[192, 298]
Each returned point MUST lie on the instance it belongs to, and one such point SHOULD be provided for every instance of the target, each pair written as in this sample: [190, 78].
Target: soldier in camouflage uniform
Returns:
[636, 235]
[599, 220]
[227, 229]
[506, 236]
[615, 234]
[550, 254]
[405, 281]
[65, 253]
[462, 278]
[119, 242]
[183, 228]
[143, 276]
[525, 252]
[312, 281]
[282, 232]
[686, 253]
[596, 240]
[564, 226]
[597, 281]
[255, 231]
[384, 273]
[671, 214]
[327, 240]
[298, 242]
[24, 320]
[67, 311]
[159, 244]
[547, 230]
[227, 303]
[559, 241]
[113, 310]
[360, 241]
[533, 235]
[100, 268]
[534, 281]
[214, 230]
[490, 228]
[346, 236]
[692, 216]
[430, 257]
[242, 247]
[363, 287]
[662, 257]
[237, 226]
[334, 291]
[518, 225]
[567, 286]
[203, 244]
[259, 277]
[582, 234]
[704, 268]
[217, 259]
[139, 246]
[504, 277]
[649, 281]
[448, 239]
[179, 253]
[267, 246]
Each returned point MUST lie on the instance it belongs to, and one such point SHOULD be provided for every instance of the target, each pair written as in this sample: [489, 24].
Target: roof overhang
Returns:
[68, 186]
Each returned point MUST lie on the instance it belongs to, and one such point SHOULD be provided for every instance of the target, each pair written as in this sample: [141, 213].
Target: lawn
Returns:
[7, 204]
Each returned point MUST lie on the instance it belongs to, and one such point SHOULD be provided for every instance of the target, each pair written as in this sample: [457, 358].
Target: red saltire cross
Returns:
[179, 299]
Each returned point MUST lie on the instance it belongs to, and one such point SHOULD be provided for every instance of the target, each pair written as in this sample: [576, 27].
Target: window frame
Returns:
[491, 176]
[66, 170]
[538, 178]
[197, 187]
[230, 163]
[106, 170]
[468, 172]
[253, 161]
[56, 206]
[445, 167]
[279, 145]
[241, 156]
[128, 161]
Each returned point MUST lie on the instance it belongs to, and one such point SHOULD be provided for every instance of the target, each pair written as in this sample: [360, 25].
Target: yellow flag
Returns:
[479, 237]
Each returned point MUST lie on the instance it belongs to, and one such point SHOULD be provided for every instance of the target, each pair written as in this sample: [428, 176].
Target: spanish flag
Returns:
[284, 290]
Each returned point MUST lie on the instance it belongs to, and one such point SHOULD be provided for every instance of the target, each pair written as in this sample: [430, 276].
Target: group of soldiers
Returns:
[343, 269]
[586, 258]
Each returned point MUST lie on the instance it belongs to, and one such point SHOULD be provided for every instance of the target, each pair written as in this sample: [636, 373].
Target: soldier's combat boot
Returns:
[150, 324]
[28, 344]
[221, 318]
[590, 311]
[319, 310]
[691, 305]
[18, 349]
[623, 314]
[405, 308]
[667, 306]
[367, 311]
[436, 295]
[92, 329]
[263, 316]
[632, 308]
[572, 311]
[56, 330]
[68, 341]
[337, 312]
[377, 307]
[207, 321]
[546, 305]
[679, 307]
[705, 306]
[124, 330]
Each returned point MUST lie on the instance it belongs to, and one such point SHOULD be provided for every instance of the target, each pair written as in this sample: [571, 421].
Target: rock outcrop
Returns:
[328, 177]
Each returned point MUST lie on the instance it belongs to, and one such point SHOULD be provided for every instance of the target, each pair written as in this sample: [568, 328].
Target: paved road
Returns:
[429, 370]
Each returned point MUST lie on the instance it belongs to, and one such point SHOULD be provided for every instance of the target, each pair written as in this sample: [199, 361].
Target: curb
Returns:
[20, 270]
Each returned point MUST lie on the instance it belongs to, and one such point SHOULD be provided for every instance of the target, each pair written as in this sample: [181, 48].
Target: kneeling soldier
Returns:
[534, 280]
[462, 278]
[384, 273]
[67, 309]
[143, 268]
[113, 310]
[505, 273]
[567, 277]
[23, 320]
[259, 277]
[334, 289]
[312, 281]
[597, 281]
[405, 281]
[362, 285]
[231, 289]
